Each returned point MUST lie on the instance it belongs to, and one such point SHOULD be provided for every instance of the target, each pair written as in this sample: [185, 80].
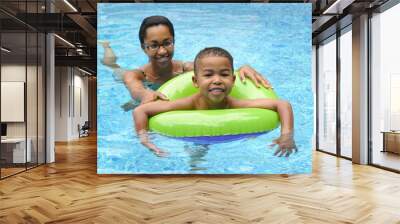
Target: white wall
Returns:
[81, 89]
[12, 101]
[61, 103]
[15, 73]
[33, 127]
[71, 94]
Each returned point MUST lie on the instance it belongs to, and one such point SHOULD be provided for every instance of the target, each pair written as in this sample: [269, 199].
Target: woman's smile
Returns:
[163, 59]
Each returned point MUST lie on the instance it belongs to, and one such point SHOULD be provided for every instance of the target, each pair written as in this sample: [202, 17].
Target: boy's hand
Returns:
[150, 96]
[144, 139]
[286, 145]
[254, 76]
[155, 149]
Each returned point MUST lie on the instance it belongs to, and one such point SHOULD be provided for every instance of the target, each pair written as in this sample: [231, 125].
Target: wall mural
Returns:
[204, 89]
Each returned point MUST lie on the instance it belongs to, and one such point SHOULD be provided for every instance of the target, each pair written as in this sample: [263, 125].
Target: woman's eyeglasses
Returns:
[156, 46]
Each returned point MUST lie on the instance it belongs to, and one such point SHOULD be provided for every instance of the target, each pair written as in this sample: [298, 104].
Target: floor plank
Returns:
[70, 191]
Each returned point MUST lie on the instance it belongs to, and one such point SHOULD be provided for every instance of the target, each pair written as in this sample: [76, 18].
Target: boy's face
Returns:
[214, 77]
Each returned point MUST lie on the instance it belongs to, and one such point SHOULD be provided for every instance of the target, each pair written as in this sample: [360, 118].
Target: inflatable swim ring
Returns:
[227, 122]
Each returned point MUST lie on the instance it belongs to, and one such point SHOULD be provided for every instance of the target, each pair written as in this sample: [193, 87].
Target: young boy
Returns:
[213, 69]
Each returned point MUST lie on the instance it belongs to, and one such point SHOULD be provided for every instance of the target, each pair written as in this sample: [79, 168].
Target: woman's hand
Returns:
[286, 145]
[150, 96]
[254, 76]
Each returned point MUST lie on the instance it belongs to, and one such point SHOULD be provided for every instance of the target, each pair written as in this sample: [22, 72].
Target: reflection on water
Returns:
[196, 155]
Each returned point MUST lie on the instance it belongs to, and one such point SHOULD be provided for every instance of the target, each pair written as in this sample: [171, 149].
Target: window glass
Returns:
[385, 84]
[327, 96]
[346, 94]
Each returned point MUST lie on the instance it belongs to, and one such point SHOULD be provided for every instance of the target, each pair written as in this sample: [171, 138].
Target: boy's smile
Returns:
[216, 90]
[214, 78]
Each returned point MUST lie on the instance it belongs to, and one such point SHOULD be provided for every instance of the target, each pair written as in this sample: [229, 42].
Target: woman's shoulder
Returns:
[182, 66]
[188, 66]
[137, 73]
[177, 63]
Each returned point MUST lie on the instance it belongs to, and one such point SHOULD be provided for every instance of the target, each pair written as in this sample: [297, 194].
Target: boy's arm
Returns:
[283, 108]
[142, 113]
[285, 142]
[134, 82]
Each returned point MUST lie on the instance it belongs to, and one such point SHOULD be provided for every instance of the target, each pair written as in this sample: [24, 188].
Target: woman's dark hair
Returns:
[154, 21]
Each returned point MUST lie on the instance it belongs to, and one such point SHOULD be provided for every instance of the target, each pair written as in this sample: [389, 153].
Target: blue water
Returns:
[275, 39]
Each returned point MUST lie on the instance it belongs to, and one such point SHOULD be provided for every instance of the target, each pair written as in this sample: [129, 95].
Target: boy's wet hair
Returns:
[154, 21]
[212, 51]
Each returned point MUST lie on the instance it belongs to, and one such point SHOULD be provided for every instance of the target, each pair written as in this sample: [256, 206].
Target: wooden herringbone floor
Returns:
[70, 191]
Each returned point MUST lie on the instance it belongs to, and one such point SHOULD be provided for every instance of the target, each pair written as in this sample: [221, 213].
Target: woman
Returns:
[156, 35]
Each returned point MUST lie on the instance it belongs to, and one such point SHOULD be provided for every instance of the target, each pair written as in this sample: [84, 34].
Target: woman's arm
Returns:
[133, 80]
[254, 76]
[142, 113]
[134, 83]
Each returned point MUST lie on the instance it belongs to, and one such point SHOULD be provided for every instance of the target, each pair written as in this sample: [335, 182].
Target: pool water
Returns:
[275, 39]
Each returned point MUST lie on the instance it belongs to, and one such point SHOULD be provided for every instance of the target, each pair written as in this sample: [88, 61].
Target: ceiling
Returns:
[76, 20]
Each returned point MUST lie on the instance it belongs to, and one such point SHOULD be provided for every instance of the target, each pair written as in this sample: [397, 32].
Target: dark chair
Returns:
[84, 130]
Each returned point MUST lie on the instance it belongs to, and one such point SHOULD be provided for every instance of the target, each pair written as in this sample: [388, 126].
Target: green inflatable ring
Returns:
[194, 123]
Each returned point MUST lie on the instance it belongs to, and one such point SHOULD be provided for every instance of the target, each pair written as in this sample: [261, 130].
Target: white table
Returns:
[19, 154]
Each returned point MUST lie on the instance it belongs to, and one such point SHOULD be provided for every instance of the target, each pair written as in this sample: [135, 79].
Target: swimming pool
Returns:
[275, 39]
